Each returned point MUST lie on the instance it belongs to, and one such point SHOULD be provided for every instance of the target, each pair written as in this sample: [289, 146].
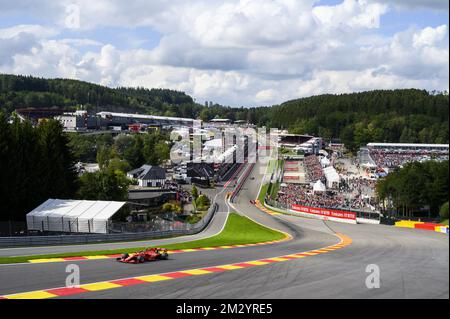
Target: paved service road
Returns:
[412, 263]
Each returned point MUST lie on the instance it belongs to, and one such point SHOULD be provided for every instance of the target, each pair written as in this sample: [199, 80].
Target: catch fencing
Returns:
[13, 228]
[168, 229]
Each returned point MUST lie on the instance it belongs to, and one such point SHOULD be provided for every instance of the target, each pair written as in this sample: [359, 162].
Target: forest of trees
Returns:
[35, 164]
[407, 115]
[27, 91]
[416, 185]
[126, 151]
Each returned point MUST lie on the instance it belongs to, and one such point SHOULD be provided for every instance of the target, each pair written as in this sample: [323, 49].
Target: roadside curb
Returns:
[176, 251]
[131, 281]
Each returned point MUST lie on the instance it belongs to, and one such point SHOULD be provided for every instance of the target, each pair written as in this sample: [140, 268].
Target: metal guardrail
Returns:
[99, 238]
[241, 181]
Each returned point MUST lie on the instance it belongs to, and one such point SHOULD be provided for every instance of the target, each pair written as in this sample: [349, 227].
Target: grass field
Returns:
[444, 222]
[272, 166]
[238, 230]
[262, 193]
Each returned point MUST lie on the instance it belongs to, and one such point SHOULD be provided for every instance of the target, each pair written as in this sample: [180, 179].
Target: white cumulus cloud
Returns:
[237, 52]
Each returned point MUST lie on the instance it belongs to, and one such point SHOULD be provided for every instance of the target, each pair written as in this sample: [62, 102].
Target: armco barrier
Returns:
[99, 238]
[241, 181]
[441, 229]
[426, 226]
[407, 223]
[421, 225]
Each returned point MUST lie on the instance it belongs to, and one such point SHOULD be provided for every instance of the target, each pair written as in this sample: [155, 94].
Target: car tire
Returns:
[141, 259]
[125, 256]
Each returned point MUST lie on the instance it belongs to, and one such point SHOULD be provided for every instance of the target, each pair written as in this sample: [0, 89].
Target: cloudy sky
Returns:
[233, 52]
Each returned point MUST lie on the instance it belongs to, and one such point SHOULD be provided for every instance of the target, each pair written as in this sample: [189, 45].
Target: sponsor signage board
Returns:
[324, 212]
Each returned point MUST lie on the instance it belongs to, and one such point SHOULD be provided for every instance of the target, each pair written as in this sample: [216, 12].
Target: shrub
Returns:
[443, 212]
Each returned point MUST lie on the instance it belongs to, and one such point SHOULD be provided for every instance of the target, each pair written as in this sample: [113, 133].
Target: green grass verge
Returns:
[238, 230]
[272, 166]
[274, 190]
[262, 193]
[444, 222]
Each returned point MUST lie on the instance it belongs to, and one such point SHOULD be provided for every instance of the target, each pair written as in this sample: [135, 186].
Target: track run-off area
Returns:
[320, 260]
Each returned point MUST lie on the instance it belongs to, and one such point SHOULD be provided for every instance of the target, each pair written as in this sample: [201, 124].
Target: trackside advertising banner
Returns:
[324, 212]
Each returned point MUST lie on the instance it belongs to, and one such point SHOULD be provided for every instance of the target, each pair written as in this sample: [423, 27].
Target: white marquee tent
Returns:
[332, 176]
[325, 162]
[319, 187]
[74, 216]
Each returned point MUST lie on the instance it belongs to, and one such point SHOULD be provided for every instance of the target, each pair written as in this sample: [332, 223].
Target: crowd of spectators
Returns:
[356, 184]
[304, 195]
[396, 158]
[313, 168]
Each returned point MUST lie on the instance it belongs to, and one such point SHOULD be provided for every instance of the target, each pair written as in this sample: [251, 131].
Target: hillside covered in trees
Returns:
[415, 186]
[407, 115]
[26, 91]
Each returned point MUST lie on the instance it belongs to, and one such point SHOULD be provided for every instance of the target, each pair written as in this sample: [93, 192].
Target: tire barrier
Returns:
[422, 225]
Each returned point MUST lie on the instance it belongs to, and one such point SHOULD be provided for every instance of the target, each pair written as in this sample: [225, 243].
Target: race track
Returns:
[413, 264]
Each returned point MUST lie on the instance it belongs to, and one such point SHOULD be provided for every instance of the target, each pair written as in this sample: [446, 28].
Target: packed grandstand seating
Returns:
[313, 168]
[356, 184]
[394, 158]
[303, 195]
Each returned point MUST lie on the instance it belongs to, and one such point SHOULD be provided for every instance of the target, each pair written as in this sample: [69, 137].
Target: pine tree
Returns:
[6, 173]
[58, 161]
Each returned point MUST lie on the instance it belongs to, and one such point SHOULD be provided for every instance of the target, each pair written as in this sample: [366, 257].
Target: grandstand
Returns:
[294, 172]
[118, 119]
[306, 143]
[391, 155]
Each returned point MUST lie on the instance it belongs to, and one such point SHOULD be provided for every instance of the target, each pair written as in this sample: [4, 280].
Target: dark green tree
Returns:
[104, 185]
[134, 155]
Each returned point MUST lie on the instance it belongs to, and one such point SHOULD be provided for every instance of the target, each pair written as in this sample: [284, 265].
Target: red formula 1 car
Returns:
[148, 254]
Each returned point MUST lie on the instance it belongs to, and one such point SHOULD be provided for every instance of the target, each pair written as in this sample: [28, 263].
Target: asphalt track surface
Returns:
[412, 263]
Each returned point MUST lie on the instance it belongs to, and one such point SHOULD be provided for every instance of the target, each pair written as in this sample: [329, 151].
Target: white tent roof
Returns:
[325, 162]
[56, 214]
[323, 152]
[319, 187]
[214, 143]
[331, 174]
